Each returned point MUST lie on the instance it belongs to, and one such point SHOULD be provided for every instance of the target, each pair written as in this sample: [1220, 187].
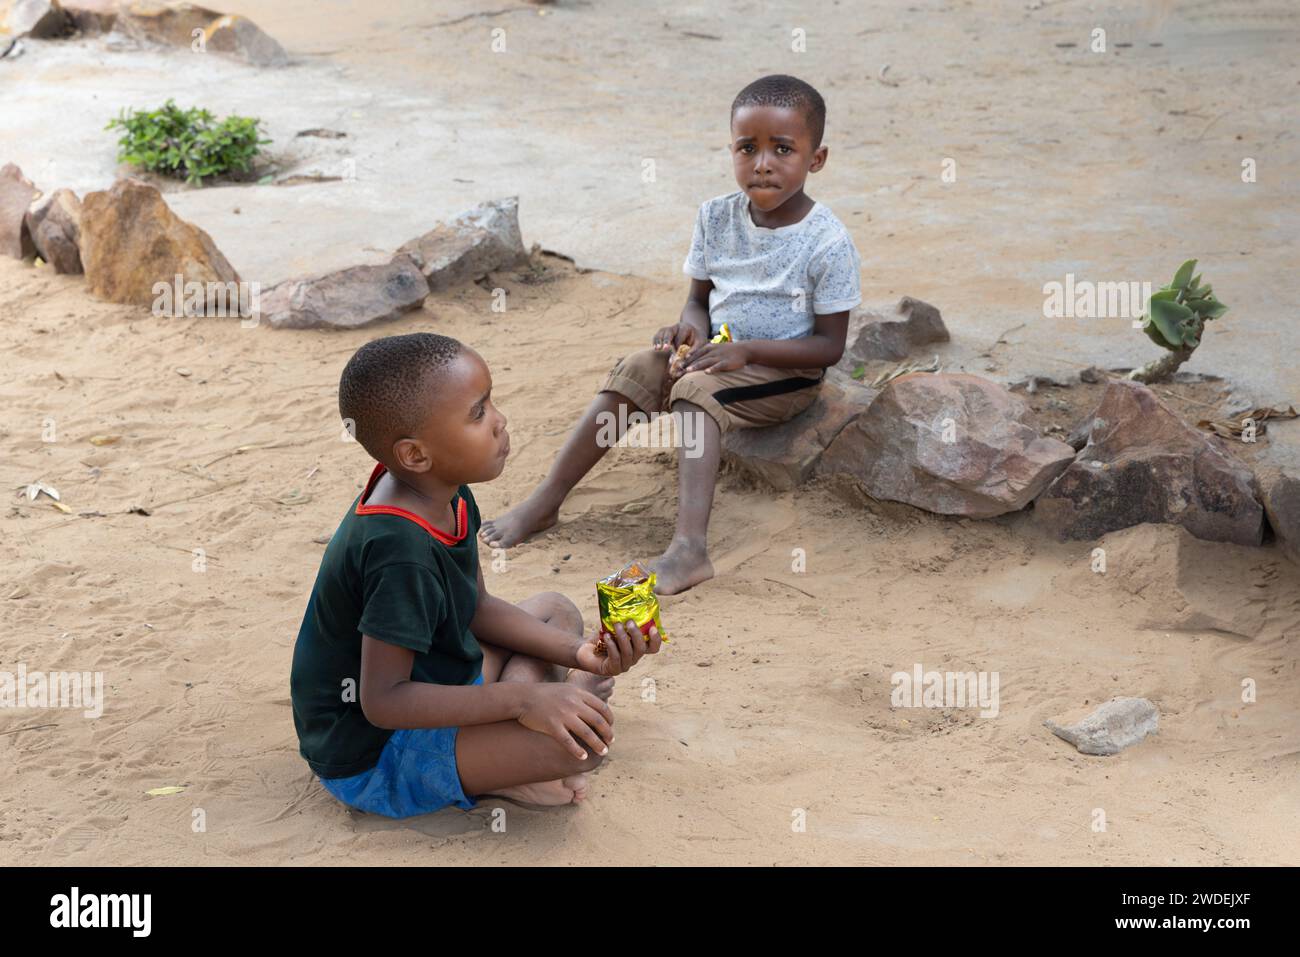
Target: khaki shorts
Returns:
[746, 398]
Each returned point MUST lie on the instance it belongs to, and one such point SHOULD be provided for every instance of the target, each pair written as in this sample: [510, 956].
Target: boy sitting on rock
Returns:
[781, 272]
[412, 687]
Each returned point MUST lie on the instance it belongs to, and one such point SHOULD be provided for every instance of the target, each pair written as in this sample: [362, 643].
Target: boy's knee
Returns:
[560, 611]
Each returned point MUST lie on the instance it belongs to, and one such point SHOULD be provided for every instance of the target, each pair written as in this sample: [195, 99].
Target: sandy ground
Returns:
[775, 696]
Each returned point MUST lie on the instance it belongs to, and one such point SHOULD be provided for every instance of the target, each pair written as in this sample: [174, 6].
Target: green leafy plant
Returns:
[188, 144]
[1175, 319]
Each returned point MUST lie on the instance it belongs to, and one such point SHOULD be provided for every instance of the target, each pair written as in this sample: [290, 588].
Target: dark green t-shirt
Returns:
[389, 574]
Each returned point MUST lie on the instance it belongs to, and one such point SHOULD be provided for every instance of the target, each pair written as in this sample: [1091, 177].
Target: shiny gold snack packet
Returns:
[627, 595]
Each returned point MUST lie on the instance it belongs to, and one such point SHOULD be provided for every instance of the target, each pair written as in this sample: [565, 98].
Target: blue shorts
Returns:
[416, 774]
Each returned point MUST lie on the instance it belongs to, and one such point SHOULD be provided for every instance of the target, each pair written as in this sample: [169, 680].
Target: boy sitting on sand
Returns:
[413, 688]
[781, 272]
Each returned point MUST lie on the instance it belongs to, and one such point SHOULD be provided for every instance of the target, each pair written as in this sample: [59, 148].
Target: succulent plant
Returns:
[1175, 319]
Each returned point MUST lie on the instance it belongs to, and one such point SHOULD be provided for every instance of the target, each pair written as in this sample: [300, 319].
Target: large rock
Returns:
[954, 444]
[131, 240]
[1143, 463]
[54, 223]
[1110, 729]
[39, 19]
[92, 17]
[784, 456]
[473, 244]
[347, 299]
[16, 195]
[243, 39]
[170, 23]
[913, 323]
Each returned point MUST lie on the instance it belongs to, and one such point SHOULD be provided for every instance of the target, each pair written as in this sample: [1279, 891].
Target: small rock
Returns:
[54, 223]
[243, 39]
[347, 299]
[472, 245]
[323, 539]
[131, 240]
[16, 196]
[1114, 726]
[876, 336]
[1092, 375]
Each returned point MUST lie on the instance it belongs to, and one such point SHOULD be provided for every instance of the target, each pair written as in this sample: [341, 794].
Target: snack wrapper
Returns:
[627, 595]
[724, 334]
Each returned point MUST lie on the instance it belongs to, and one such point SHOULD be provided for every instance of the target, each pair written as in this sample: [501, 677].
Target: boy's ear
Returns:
[412, 455]
[819, 159]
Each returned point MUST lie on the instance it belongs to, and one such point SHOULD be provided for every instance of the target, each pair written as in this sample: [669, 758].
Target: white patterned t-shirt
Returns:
[768, 283]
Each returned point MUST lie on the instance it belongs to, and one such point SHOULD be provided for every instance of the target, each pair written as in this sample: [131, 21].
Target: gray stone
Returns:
[38, 19]
[347, 299]
[54, 223]
[1143, 463]
[913, 323]
[785, 456]
[1116, 725]
[16, 196]
[954, 444]
[472, 245]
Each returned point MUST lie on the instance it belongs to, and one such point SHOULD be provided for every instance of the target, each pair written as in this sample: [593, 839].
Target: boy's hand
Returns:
[623, 649]
[670, 337]
[569, 715]
[716, 357]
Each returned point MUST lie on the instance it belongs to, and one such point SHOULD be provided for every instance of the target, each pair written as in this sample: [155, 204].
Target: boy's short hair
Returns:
[385, 386]
[789, 92]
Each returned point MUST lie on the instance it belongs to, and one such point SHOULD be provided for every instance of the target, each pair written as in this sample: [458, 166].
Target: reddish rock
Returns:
[784, 456]
[131, 241]
[953, 444]
[1143, 464]
[347, 299]
[16, 195]
[54, 223]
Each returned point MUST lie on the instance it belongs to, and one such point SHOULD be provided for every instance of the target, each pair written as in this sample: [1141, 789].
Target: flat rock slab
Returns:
[786, 455]
[1142, 463]
[953, 444]
[472, 245]
[1116, 725]
[16, 195]
[54, 223]
[131, 241]
[347, 299]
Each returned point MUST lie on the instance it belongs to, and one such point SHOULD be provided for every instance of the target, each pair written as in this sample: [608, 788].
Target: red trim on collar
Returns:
[462, 512]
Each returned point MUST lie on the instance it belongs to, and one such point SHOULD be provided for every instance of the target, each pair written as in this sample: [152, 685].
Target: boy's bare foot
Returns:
[568, 790]
[680, 567]
[530, 516]
[601, 686]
